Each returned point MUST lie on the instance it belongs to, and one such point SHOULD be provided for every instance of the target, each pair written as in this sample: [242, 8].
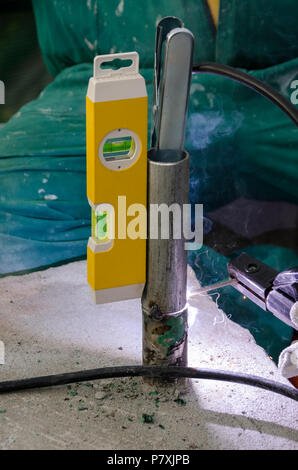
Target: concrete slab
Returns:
[50, 325]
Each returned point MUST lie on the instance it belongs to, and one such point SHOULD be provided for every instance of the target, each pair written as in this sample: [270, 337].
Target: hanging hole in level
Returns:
[116, 64]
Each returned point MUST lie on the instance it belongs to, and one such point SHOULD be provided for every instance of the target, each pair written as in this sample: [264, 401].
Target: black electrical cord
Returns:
[148, 371]
[251, 82]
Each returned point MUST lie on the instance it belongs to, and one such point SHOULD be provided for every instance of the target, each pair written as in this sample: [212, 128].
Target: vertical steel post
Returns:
[164, 302]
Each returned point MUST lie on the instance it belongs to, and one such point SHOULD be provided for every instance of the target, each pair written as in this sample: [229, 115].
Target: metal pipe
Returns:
[164, 302]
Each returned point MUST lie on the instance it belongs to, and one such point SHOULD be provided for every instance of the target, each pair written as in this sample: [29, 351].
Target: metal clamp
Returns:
[272, 291]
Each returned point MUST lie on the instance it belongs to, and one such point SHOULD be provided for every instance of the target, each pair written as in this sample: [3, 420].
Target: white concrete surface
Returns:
[50, 325]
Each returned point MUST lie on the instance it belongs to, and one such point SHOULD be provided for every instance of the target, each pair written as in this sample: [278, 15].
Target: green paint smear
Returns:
[147, 418]
[180, 401]
[175, 333]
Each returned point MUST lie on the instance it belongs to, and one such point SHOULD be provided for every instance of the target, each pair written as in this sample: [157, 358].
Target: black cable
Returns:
[148, 371]
[248, 80]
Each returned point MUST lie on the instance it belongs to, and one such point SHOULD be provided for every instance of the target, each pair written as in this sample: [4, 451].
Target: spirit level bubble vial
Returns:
[116, 114]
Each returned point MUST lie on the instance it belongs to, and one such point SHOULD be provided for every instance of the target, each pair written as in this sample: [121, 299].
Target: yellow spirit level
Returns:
[116, 114]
